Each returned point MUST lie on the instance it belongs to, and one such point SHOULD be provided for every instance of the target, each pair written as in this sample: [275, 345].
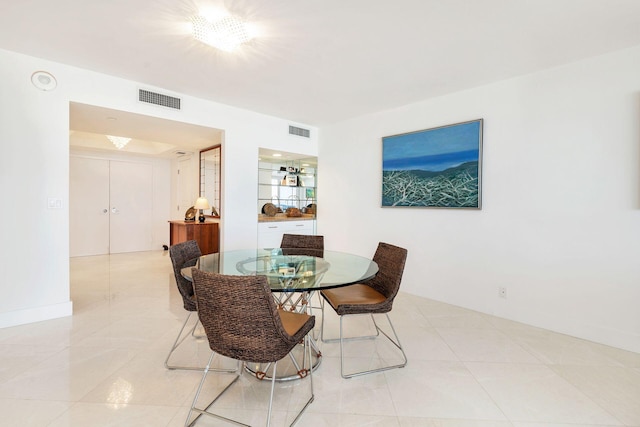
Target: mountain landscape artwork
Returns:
[438, 167]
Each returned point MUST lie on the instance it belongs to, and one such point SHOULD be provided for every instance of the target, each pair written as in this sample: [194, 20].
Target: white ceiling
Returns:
[322, 61]
[151, 136]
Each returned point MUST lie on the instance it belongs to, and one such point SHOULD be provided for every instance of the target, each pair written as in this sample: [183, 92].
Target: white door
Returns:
[131, 200]
[186, 197]
[110, 206]
[88, 207]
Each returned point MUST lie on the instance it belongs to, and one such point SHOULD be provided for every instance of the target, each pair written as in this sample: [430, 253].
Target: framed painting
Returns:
[434, 168]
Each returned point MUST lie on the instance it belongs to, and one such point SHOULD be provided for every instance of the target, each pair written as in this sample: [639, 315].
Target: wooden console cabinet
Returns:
[207, 234]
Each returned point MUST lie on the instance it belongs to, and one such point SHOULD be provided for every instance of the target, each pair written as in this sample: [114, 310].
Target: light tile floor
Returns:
[104, 366]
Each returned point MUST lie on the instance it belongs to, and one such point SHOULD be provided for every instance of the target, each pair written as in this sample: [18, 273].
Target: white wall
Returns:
[34, 133]
[560, 223]
[34, 166]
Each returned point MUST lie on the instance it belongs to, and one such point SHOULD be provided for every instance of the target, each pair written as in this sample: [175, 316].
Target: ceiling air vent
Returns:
[158, 99]
[298, 131]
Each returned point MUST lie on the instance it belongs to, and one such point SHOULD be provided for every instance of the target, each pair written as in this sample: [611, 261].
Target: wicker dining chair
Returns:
[240, 318]
[372, 297]
[182, 255]
[302, 244]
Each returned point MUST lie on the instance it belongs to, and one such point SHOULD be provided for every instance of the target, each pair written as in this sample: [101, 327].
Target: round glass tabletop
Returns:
[288, 271]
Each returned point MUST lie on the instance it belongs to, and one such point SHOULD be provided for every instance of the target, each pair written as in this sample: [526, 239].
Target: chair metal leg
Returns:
[395, 342]
[177, 343]
[179, 340]
[308, 348]
[273, 387]
[205, 411]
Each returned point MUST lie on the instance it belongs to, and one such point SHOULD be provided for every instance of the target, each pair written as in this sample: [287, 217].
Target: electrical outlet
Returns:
[502, 292]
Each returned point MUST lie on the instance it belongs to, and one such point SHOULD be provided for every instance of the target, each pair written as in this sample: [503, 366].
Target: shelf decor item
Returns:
[269, 209]
[436, 168]
[190, 214]
[293, 212]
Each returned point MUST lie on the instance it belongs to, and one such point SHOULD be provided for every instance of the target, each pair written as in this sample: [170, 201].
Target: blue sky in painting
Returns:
[432, 150]
[435, 163]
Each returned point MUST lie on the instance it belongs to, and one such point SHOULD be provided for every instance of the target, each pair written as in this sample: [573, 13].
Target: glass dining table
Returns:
[293, 276]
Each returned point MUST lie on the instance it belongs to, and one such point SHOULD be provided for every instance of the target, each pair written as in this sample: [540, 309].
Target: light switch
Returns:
[55, 203]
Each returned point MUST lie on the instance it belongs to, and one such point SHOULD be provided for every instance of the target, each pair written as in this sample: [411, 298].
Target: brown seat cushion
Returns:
[292, 322]
[353, 294]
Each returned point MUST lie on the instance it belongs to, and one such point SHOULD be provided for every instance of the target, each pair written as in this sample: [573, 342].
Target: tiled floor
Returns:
[104, 366]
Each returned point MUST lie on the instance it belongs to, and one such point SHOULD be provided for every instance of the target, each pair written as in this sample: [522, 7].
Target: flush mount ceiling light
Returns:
[119, 141]
[225, 34]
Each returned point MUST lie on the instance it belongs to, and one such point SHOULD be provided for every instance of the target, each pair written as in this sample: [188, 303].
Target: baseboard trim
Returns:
[35, 314]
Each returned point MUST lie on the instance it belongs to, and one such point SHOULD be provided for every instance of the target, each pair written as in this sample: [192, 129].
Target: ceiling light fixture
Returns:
[119, 141]
[225, 34]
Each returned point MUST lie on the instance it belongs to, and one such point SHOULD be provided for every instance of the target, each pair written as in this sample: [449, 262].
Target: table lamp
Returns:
[201, 203]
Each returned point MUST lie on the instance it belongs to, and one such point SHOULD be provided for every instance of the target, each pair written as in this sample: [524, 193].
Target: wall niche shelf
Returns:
[293, 187]
[285, 184]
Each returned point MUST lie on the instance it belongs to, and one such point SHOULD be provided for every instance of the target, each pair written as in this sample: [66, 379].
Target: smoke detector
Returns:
[44, 80]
